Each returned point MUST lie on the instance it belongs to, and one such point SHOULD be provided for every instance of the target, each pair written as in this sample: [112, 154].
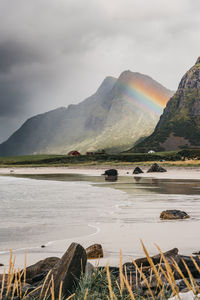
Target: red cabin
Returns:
[74, 153]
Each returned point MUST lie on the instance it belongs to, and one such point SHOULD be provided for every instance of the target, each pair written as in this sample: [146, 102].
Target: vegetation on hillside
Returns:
[181, 116]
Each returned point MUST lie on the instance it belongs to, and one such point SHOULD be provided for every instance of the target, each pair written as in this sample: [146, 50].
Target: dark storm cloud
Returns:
[57, 52]
[13, 53]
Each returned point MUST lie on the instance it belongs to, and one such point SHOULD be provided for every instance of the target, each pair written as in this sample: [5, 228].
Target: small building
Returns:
[151, 151]
[74, 153]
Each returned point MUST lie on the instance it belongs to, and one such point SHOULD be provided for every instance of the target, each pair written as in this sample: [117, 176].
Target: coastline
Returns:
[105, 231]
[182, 173]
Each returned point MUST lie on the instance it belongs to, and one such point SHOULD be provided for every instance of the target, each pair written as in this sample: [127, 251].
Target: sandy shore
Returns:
[121, 233]
[190, 173]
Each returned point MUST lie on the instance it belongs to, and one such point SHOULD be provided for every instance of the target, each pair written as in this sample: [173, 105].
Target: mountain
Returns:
[179, 125]
[121, 111]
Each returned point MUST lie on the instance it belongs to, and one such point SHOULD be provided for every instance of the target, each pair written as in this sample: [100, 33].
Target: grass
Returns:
[102, 284]
[167, 158]
[187, 157]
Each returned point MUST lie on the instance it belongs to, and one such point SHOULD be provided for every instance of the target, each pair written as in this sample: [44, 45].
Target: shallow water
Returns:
[38, 209]
[34, 212]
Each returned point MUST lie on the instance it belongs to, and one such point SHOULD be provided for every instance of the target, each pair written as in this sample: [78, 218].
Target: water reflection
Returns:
[170, 186]
[130, 184]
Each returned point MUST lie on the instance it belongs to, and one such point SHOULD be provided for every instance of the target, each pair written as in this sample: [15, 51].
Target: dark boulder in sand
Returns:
[38, 271]
[143, 262]
[137, 170]
[94, 251]
[156, 168]
[173, 215]
[67, 271]
[111, 175]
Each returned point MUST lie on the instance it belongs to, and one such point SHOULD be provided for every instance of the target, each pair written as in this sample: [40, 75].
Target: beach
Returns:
[125, 213]
[190, 173]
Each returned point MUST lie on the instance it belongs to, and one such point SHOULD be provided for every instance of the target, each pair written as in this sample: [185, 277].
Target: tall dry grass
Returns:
[102, 284]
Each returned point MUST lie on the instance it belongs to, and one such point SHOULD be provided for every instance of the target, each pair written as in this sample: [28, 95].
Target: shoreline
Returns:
[57, 247]
[173, 172]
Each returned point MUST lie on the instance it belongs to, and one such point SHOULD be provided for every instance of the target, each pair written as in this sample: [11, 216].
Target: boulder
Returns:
[111, 175]
[66, 271]
[156, 168]
[137, 170]
[196, 253]
[89, 269]
[152, 281]
[173, 215]
[94, 251]
[39, 270]
[169, 255]
[69, 269]
[25, 289]
[189, 262]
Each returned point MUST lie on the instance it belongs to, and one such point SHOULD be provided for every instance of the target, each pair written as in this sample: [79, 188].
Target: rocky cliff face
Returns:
[118, 114]
[179, 125]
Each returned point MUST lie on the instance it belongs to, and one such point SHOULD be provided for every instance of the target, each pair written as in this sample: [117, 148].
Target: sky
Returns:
[57, 52]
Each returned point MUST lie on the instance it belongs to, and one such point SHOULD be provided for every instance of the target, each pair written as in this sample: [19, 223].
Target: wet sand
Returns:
[190, 173]
[126, 235]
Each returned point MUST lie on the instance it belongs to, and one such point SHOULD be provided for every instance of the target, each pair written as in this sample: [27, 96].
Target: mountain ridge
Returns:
[112, 118]
[179, 125]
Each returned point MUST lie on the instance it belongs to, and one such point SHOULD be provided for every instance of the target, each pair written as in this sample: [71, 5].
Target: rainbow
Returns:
[145, 96]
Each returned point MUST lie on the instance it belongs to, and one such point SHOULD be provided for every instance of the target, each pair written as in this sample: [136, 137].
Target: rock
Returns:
[43, 246]
[137, 170]
[94, 251]
[173, 215]
[152, 281]
[111, 172]
[111, 175]
[187, 259]
[41, 268]
[196, 253]
[1, 265]
[169, 255]
[185, 295]
[156, 168]
[89, 268]
[25, 289]
[67, 270]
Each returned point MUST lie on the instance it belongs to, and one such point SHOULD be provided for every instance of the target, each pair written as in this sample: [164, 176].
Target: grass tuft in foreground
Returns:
[155, 281]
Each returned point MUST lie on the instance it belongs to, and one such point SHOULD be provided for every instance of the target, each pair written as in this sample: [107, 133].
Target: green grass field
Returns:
[183, 158]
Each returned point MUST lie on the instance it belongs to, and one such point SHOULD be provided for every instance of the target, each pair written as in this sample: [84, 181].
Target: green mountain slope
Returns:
[113, 118]
[179, 125]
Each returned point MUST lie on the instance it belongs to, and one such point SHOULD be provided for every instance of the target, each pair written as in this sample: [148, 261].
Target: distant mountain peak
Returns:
[198, 60]
[119, 113]
[107, 84]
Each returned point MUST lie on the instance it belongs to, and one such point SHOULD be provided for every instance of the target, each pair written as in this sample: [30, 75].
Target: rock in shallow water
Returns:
[156, 168]
[111, 175]
[137, 170]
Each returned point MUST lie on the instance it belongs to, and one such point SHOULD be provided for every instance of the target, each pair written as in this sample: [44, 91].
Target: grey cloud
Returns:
[53, 53]
[13, 53]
